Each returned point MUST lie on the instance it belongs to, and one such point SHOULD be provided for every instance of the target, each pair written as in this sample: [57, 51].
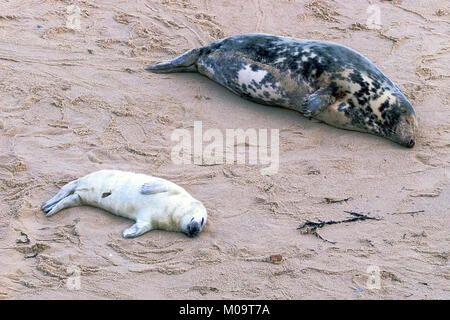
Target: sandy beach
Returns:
[75, 98]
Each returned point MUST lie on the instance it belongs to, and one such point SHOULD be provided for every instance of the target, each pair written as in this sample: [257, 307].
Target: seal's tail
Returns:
[184, 63]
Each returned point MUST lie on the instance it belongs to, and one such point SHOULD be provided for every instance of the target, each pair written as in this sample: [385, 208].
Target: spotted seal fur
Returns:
[154, 203]
[321, 80]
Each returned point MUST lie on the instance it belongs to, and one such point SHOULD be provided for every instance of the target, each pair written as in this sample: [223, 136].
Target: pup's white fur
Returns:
[154, 203]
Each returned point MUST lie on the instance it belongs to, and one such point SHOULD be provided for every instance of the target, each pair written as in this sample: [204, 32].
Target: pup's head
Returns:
[194, 220]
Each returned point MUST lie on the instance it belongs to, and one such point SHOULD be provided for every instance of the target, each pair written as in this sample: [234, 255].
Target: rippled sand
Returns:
[75, 101]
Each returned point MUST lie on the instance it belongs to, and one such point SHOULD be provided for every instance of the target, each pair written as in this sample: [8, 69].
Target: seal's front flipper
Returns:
[137, 229]
[317, 102]
[184, 63]
[154, 187]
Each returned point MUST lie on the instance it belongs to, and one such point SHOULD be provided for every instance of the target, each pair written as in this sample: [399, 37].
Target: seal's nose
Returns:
[411, 143]
[193, 229]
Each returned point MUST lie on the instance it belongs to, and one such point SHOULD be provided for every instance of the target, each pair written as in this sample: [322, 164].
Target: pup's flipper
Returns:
[154, 187]
[64, 192]
[137, 229]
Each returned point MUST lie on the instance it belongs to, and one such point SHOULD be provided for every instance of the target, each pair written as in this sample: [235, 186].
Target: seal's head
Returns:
[194, 219]
[400, 121]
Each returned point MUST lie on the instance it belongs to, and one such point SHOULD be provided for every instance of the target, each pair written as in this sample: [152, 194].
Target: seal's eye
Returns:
[403, 111]
[203, 220]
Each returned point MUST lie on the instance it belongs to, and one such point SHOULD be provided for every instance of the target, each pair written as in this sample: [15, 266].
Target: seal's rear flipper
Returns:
[184, 63]
[65, 191]
[68, 202]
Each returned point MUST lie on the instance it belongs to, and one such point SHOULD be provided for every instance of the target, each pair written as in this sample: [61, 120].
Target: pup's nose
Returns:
[193, 229]
[411, 143]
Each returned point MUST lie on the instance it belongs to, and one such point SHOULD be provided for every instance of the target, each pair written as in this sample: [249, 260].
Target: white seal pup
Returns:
[154, 203]
[319, 79]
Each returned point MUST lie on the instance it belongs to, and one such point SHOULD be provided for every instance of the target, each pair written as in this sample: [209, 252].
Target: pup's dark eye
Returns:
[203, 220]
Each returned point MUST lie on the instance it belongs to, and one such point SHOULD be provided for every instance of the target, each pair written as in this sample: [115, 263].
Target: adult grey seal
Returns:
[322, 80]
[154, 203]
